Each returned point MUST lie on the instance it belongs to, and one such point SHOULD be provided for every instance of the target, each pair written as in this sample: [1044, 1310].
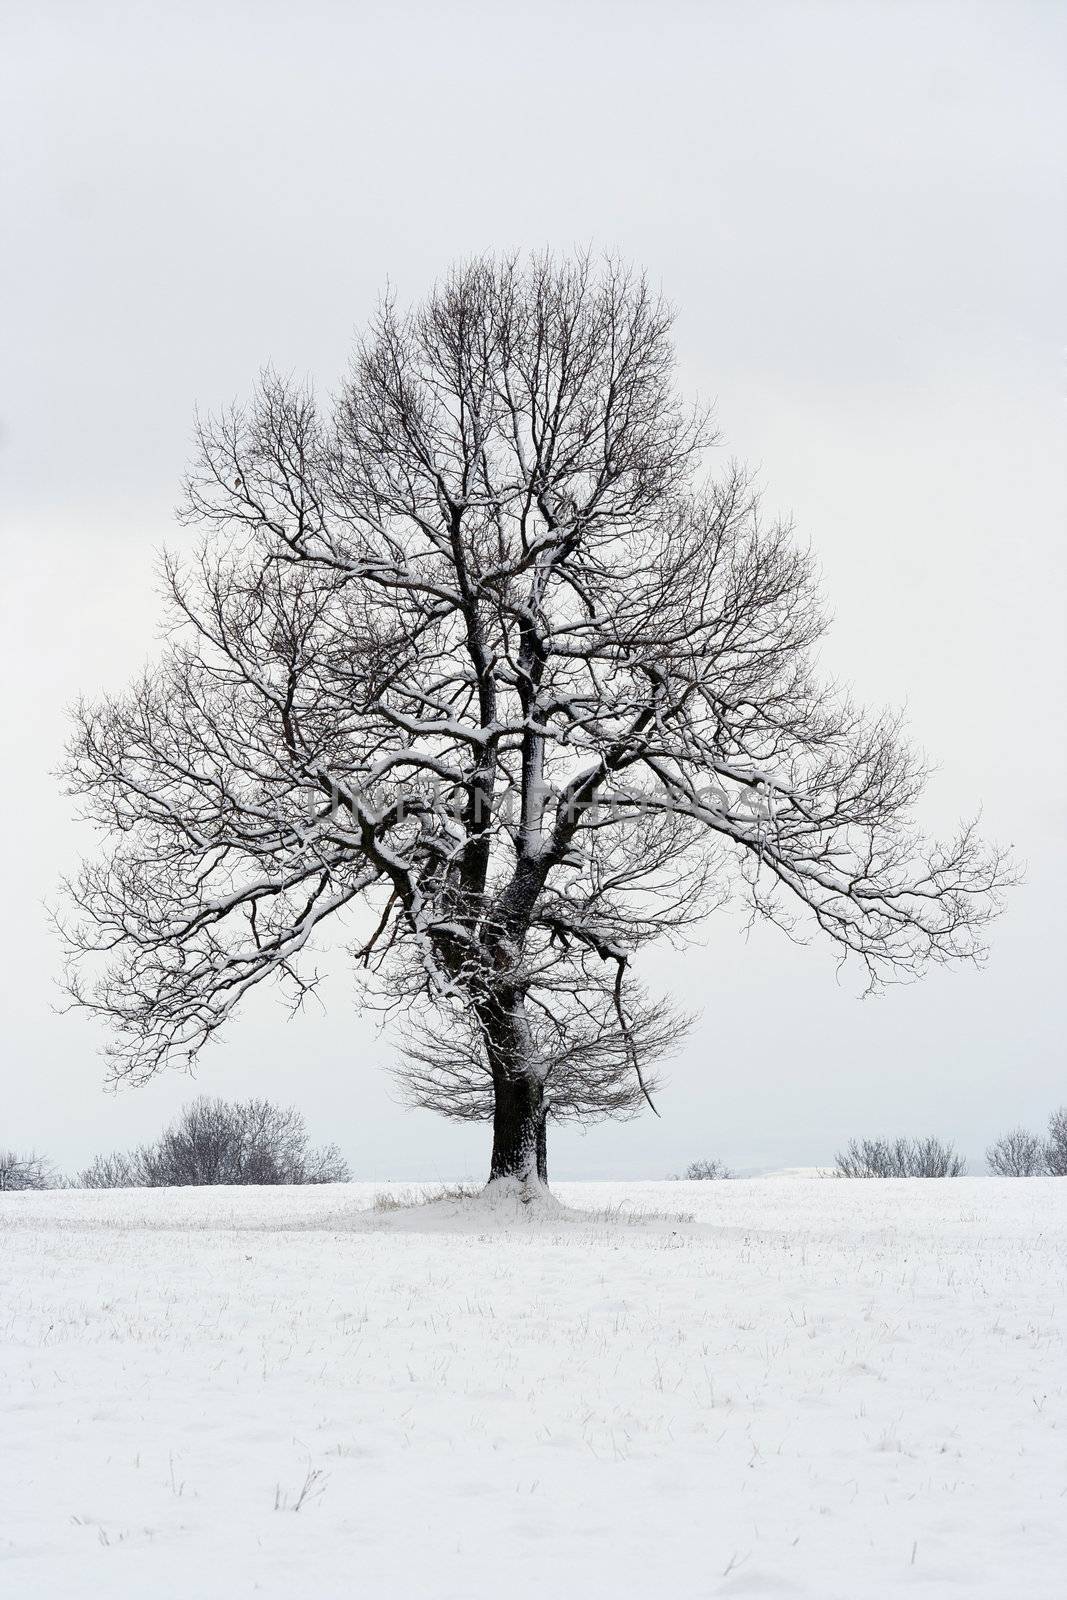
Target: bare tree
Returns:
[25, 1171]
[119, 1170]
[899, 1158]
[221, 1141]
[482, 650]
[706, 1171]
[1056, 1144]
[1018, 1154]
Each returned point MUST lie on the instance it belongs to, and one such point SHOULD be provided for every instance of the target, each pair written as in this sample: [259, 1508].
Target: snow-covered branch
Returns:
[484, 644]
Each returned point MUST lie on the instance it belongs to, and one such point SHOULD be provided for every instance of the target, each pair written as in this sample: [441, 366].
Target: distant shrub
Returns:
[1018, 1154]
[117, 1171]
[26, 1171]
[222, 1142]
[1021, 1154]
[899, 1158]
[1056, 1144]
[702, 1171]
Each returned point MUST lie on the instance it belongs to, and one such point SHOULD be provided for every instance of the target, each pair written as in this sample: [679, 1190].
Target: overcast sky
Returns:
[859, 211]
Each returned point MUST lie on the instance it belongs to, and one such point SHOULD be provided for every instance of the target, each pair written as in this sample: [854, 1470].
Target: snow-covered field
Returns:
[802, 1388]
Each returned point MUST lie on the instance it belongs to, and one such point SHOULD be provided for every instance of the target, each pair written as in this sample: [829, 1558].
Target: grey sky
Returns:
[859, 211]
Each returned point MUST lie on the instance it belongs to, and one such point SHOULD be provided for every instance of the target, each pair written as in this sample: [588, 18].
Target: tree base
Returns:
[509, 1189]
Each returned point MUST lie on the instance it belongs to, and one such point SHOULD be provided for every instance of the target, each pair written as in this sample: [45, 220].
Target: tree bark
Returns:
[520, 1147]
[520, 1143]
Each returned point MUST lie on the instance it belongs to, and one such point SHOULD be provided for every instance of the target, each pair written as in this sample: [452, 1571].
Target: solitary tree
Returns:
[483, 646]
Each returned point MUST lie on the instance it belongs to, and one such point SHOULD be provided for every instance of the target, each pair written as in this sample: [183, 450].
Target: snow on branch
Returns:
[483, 648]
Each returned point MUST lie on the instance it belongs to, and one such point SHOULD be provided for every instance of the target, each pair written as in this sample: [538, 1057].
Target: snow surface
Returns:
[822, 1389]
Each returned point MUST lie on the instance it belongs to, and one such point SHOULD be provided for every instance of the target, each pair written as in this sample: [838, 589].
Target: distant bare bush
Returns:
[223, 1142]
[1056, 1144]
[25, 1171]
[701, 1171]
[117, 1171]
[899, 1158]
[1018, 1154]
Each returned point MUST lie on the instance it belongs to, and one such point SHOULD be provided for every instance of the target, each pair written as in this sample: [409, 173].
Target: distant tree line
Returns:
[210, 1142]
[899, 1158]
[257, 1142]
[1022, 1154]
[1018, 1154]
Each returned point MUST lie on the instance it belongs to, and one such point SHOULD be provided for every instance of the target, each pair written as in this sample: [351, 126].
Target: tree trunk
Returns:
[520, 1144]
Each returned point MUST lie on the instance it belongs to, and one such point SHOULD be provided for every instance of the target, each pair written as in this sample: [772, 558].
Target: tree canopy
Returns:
[486, 646]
